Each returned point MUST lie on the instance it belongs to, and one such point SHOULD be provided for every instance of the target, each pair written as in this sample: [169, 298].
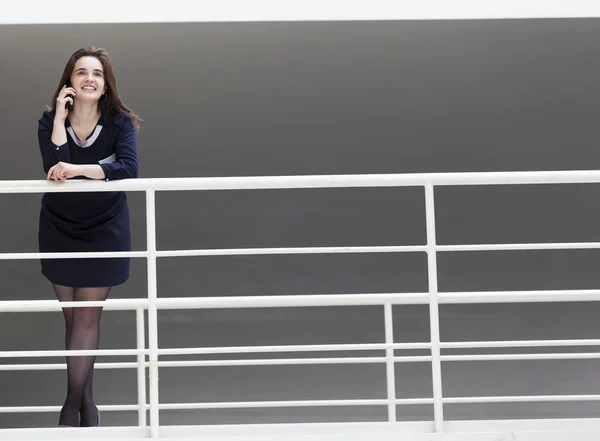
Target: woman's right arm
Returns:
[59, 133]
[52, 134]
[52, 137]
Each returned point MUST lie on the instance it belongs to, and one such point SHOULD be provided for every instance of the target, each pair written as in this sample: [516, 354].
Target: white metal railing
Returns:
[433, 298]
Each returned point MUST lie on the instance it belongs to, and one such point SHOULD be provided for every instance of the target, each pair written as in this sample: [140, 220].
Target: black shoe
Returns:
[68, 418]
[84, 424]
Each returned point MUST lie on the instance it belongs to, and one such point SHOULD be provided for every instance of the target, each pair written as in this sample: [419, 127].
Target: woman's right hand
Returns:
[61, 102]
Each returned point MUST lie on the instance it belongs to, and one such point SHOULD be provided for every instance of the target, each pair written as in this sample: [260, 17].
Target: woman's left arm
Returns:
[126, 164]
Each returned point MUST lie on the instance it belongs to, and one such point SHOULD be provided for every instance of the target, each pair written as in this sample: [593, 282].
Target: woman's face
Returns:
[88, 79]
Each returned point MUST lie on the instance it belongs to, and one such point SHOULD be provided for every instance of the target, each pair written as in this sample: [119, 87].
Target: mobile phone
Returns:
[68, 105]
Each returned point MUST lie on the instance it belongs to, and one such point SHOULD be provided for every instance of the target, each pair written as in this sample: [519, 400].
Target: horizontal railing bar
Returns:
[375, 299]
[198, 363]
[55, 305]
[521, 246]
[567, 295]
[63, 366]
[275, 301]
[379, 299]
[291, 361]
[71, 353]
[522, 399]
[305, 181]
[377, 249]
[292, 250]
[413, 359]
[518, 344]
[273, 362]
[412, 401]
[301, 361]
[316, 403]
[302, 250]
[497, 357]
[291, 348]
[266, 404]
[86, 255]
[279, 361]
[43, 409]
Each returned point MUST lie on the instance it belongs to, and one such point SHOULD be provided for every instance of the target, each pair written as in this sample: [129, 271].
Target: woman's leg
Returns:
[85, 335]
[66, 294]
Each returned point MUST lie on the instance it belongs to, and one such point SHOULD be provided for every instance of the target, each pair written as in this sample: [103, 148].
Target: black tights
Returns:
[82, 333]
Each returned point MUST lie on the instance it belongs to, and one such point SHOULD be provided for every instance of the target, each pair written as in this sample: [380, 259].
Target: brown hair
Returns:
[113, 100]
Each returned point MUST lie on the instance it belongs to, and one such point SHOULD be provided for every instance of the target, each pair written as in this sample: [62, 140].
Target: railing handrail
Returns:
[306, 181]
[310, 300]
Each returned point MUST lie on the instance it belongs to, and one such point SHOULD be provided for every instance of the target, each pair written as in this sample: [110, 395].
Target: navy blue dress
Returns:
[88, 222]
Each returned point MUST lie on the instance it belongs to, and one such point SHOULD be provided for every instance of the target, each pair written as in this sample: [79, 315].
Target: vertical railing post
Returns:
[389, 364]
[141, 369]
[152, 313]
[434, 319]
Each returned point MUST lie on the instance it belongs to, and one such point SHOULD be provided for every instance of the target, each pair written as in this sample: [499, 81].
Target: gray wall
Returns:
[326, 98]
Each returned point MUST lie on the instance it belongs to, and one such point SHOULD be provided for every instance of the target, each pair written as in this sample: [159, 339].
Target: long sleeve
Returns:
[51, 153]
[126, 163]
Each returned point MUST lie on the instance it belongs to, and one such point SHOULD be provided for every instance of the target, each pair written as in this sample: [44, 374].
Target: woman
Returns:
[88, 134]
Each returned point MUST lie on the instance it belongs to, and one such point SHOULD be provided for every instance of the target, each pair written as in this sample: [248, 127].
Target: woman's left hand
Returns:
[62, 171]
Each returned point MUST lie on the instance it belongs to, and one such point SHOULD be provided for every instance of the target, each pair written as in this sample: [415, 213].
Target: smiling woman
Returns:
[90, 134]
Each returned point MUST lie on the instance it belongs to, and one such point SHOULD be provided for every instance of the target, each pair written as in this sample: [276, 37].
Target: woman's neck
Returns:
[83, 114]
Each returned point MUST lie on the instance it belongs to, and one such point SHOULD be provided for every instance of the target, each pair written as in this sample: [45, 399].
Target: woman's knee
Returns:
[86, 318]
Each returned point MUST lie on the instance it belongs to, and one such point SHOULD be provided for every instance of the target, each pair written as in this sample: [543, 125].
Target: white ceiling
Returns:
[136, 11]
